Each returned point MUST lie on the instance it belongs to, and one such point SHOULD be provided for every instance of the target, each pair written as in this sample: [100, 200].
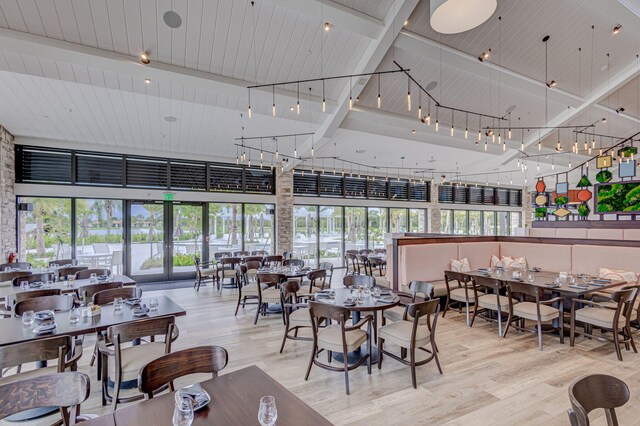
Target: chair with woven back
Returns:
[86, 273]
[411, 335]
[162, 371]
[204, 271]
[57, 303]
[487, 297]
[532, 307]
[596, 391]
[86, 292]
[32, 278]
[459, 293]
[64, 272]
[617, 320]
[268, 289]
[227, 270]
[121, 363]
[64, 390]
[63, 262]
[296, 312]
[338, 337]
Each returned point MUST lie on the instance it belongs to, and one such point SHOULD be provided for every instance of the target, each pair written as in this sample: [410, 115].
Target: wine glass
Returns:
[183, 411]
[74, 316]
[268, 413]
[28, 317]
[117, 304]
[531, 277]
[93, 278]
[153, 303]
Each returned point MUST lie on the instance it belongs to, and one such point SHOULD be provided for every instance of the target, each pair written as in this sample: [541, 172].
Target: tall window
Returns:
[99, 233]
[446, 220]
[331, 234]
[259, 227]
[225, 227]
[377, 226]
[489, 223]
[398, 220]
[515, 221]
[460, 222]
[475, 222]
[417, 220]
[355, 220]
[45, 232]
[503, 223]
[305, 240]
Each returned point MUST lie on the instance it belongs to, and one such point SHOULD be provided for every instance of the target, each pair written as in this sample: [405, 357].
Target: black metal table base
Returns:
[357, 355]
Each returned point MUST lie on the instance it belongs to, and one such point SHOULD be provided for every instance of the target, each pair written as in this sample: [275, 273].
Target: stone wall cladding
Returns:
[284, 211]
[7, 195]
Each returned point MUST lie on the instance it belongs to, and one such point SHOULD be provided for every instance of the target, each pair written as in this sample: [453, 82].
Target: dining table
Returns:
[235, 400]
[368, 304]
[13, 331]
[547, 281]
[8, 293]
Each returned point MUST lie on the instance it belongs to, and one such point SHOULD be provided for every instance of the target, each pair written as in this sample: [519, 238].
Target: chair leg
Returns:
[435, 354]
[467, 311]
[238, 305]
[403, 353]
[255, 321]
[412, 358]
[540, 335]
[329, 356]
[616, 342]
[313, 354]
[446, 306]
[633, 344]
[104, 380]
[346, 371]
[380, 343]
[369, 356]
[475, 312]
[116, 390]
[284, 339]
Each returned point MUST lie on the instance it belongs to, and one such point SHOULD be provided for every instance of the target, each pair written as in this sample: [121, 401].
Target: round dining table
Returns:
[369, 304]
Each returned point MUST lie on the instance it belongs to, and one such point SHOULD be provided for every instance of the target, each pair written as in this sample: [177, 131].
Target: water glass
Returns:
[93, 278]
[531, 277]
[572, 280]
[153, 303]
[28, 317]
[48, 284]
[183, 411]
[498, 272]
[117, 304]
[24, 285]
[268, 413]
[70, 279]
[74, 316]
[7, 269]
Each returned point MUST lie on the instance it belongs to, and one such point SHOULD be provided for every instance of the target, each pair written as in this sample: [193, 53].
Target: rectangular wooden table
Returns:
[545, 277]
[235, 399]
[64, 286]
[13, 331]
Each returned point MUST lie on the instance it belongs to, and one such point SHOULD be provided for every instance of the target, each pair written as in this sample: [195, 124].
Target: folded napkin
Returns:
[36, 284]
[195, 392]
[45, 328]
[44, 315]
[132, 302]
[578, 286]
[349, 302]
[387, 299]
[140, 311]
[535, 269]
[552, 285]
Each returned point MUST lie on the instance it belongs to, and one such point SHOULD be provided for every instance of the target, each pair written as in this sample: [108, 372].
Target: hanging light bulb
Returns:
[539, 146]
[379, 98]
[499, 138]
[479, 135]
[504, 146]
[452, 130]
[493, 137]
[485, 146]
[273, 97]
[466, 133]
[522, 146]
[436, 124]
[509, 134]
[408, 94]
[538, 166]
[593, 143]
[324, 101]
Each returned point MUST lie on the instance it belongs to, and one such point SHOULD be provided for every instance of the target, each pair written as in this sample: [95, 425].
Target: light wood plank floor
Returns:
[487, 380]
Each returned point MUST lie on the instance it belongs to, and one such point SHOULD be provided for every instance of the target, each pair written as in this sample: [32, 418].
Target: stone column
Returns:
[7, 195]
[284, 211]
[434, 211]
[527, 209]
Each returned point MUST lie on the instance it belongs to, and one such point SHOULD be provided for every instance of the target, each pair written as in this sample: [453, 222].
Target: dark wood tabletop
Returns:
[369, 303]
[543, 278]
[235, 399]
[13, 331]
[64, 286]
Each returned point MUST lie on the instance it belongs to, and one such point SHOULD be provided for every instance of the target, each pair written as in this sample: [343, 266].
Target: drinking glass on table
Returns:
[117, 304]
[93, 278]
[268, 412]
[24, 285]
[153, 303]
[531, 277]
[70, 279]
[74, 316]
[28, 317]
[183, 411]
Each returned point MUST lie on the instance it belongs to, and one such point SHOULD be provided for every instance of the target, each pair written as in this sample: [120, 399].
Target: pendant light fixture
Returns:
[379, 99]
[408, 94]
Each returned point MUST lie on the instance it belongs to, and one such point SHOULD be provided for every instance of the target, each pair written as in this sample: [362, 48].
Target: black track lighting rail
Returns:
[337, 77]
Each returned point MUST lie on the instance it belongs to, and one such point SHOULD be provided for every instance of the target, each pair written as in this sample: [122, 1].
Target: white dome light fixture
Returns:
[457, 16]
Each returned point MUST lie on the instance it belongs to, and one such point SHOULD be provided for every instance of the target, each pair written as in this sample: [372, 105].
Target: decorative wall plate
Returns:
[561, 212]
[603, 162]
[541, 200]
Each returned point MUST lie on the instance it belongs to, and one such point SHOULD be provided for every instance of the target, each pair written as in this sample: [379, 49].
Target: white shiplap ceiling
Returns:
[69, 74]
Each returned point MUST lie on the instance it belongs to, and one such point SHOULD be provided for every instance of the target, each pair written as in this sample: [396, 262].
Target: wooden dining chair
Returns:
[268, 291]
[241, 253]
[204, 271]
[107, 296]
[531, 306]
[366, 252]
[596, 391]
[253, 266]
[273, 260]
[162, 371]
[327, 266]
[417, 289]
[63, 262]
[32, 278]
[487, 297]
[8, 277]
[296, 312]
[59, 303]
[17, 265]
[293, 262]
[316, 280]
[359, 281]
[63, 273]
[227, 270]
[338, 337]
[64, 390]
[377, 267]
[86, 273]
[364, 266]
[32, 294]
[459, 293]
[412, 334]
[86, 292]
[260, 253]
[353, 265]
[617, 320]
[121, 362]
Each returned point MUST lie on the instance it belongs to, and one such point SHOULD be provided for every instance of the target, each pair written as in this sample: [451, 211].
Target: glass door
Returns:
[146, 241]
[186, 239]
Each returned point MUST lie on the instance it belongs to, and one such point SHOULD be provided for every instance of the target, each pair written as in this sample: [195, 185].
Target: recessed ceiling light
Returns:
[147, 80]
[413, 131]
[170, 119]
[172, 19]
[327, 26]
[604, 119]
[484, 55]
[360, 151]
[144, 58]
[551, 83]
[406, 23]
